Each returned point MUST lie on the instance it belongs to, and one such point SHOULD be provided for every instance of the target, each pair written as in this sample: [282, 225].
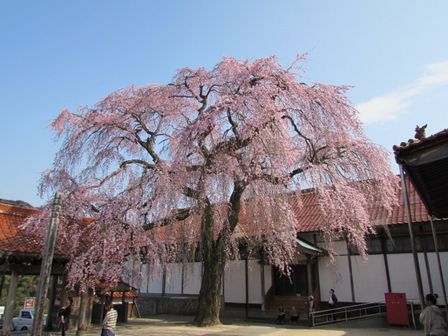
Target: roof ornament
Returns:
[420, 132]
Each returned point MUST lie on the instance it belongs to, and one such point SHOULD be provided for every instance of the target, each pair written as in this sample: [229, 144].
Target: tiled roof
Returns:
[309, 216]
[13, 239]
[311, 219]
[412, 144]
[119, 295]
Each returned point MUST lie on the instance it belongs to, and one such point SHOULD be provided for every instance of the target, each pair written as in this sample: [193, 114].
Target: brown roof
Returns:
[13, 239]
[311, 218]
[416, 144]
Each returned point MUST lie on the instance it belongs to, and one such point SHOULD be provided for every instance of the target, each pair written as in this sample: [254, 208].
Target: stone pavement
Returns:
[178, 325]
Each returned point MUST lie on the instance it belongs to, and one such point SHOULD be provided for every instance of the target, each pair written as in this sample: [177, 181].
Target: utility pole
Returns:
[45, 269]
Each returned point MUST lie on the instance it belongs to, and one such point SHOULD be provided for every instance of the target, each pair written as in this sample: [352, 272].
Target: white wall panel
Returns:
[435, 275]
[254, 281]
[192, 278]
[267, 278]
[144, 282]
[173, 284]
[155, 280]
[335, 276]
[369, 278]
[402, 275]
[234, 282]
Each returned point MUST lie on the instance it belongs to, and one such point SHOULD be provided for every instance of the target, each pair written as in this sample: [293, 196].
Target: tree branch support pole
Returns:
[442, 281]
[10, 304]
[47, 261]
[82, 323]
[412, 238]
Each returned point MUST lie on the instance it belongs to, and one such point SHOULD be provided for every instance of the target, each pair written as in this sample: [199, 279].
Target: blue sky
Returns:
[62, 54]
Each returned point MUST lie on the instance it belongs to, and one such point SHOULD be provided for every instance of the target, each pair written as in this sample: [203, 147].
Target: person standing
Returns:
[110, 321]
[64, 316]
[432, 318]
[311, 307]
[310, 304]
[332, 301]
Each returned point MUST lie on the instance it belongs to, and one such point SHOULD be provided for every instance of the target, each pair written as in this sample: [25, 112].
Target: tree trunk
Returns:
[213, 258]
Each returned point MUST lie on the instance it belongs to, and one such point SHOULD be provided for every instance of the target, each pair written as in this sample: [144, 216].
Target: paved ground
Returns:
[177, 326]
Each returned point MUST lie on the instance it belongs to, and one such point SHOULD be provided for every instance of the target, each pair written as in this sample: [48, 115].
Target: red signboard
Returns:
[397, 309]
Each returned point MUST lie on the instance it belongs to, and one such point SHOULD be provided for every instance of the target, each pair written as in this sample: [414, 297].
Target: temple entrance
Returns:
[296, 285]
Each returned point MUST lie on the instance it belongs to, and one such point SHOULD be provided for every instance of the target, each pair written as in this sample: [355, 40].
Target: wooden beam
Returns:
[35, 269]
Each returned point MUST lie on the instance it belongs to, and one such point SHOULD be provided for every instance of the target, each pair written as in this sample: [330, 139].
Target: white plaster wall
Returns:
[369, 278]
[339, 246]
[335, 276]
[173, 284]
[234, 282]
[155, 280]
[267, 278]
[435, 275]
[192, 278]
[402, 275]
[144, 282]
[254, 281]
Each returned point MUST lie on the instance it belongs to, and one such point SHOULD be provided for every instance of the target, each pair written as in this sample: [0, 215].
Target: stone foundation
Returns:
[177, 305]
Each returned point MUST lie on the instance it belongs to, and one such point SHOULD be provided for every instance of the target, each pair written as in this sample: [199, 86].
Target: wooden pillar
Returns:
[164, 280]
[148, 276]
[10, 304]
[263, 289]
[352, 287]
[49, 322]
[82, 323]
[309, 278]
[386, 262]
[436, 247]
[428, 269]
[412, 238]
[182, 279]
[223, 300]
[246, 271]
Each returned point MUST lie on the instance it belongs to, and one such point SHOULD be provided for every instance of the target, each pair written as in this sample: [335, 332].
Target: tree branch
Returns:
[139, 162]
[180, 214]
